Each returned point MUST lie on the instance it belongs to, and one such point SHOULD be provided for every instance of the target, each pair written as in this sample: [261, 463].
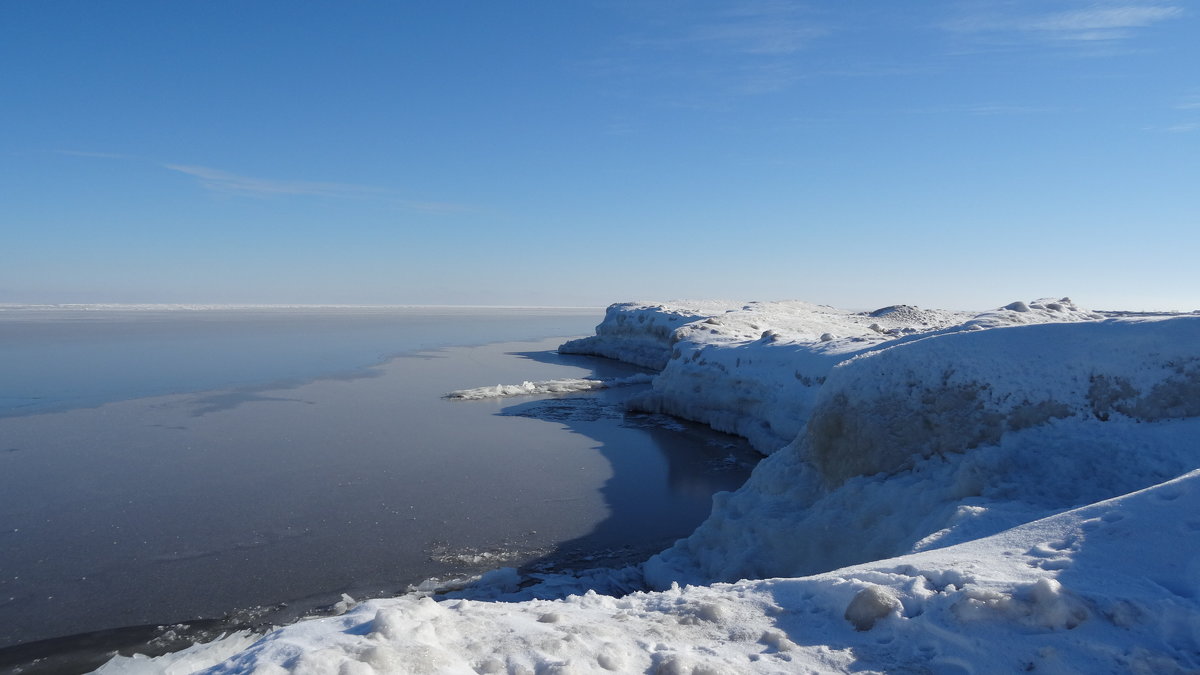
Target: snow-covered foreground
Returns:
[1093, 590]
[945, 492]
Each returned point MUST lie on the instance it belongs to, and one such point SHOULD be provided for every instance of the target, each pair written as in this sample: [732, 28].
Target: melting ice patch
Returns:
[563, 386]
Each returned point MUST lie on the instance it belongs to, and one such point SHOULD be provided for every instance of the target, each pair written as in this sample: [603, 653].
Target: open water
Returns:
[223, 467]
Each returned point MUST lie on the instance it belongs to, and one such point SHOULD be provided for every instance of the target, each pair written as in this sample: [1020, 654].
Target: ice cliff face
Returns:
[640, 334]
[881, 410]
[755, 370]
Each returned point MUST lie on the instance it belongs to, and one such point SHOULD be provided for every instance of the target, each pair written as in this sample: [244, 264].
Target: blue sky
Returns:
[958, 154]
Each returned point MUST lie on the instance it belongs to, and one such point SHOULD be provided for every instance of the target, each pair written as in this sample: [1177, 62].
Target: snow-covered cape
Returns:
[945, 492]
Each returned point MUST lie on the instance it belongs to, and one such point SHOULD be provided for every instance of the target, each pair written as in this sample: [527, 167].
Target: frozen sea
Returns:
[248, 466]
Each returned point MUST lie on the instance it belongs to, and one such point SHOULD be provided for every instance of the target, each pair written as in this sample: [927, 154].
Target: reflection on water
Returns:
[166, 509]
[664, 472]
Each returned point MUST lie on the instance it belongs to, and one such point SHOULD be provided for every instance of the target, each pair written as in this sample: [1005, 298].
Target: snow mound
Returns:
[1046, 310]
[1071, 593]
[564, 386]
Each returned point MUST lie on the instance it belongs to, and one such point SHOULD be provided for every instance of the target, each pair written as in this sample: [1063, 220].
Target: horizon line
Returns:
[201, 306]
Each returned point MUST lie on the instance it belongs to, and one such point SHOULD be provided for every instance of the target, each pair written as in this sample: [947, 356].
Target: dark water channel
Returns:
[273, 499]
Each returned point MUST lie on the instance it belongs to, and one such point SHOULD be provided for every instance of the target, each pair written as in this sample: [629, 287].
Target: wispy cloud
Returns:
[996, 109]
[761, 28]
[99, 155]
[223, 181]
[1181, 128]
[988, 109]
[1184, 128]
[231, 183]
[1189, 103]
[217, 180]
[1091, 22]
[738, 48]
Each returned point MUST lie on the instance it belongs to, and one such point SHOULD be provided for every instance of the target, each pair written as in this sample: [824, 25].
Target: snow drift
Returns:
[1071, 593]
[944, 492]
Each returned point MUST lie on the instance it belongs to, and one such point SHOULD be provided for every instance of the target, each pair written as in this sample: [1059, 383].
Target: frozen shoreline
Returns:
[944, 491]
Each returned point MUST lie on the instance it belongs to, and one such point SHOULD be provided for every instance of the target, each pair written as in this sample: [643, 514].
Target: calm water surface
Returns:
[57, 359]
[289, 473]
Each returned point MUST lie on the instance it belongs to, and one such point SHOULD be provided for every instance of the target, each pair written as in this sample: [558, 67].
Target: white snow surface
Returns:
[945, 492]
[1073, 593]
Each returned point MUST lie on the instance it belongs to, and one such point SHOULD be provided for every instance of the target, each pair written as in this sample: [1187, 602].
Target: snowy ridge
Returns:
[754, 369]
[1053, 416]
[564, 386]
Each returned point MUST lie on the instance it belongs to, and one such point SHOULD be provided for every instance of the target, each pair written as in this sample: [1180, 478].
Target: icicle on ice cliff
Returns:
[944, 492]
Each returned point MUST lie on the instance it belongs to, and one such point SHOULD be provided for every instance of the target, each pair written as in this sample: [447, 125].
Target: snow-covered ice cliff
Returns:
[755, 369]
[944, 492]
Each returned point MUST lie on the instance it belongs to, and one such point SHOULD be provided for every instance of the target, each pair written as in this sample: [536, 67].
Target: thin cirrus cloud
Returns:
[1088, 23]
[759, 28]
[731, 48]
[97, 155]
[217, 180]
[988, 110]
[1184, 128]
[1189, 103]
[231, 183]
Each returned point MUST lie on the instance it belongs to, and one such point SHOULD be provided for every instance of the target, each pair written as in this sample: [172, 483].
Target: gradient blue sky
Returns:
[958, 154]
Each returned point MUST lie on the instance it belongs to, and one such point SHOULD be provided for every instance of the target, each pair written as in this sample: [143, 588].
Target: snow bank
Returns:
[754, 369]
[183, 662]
[960, 391]
[786, 522]
[1070, 593]
[1053, 416]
